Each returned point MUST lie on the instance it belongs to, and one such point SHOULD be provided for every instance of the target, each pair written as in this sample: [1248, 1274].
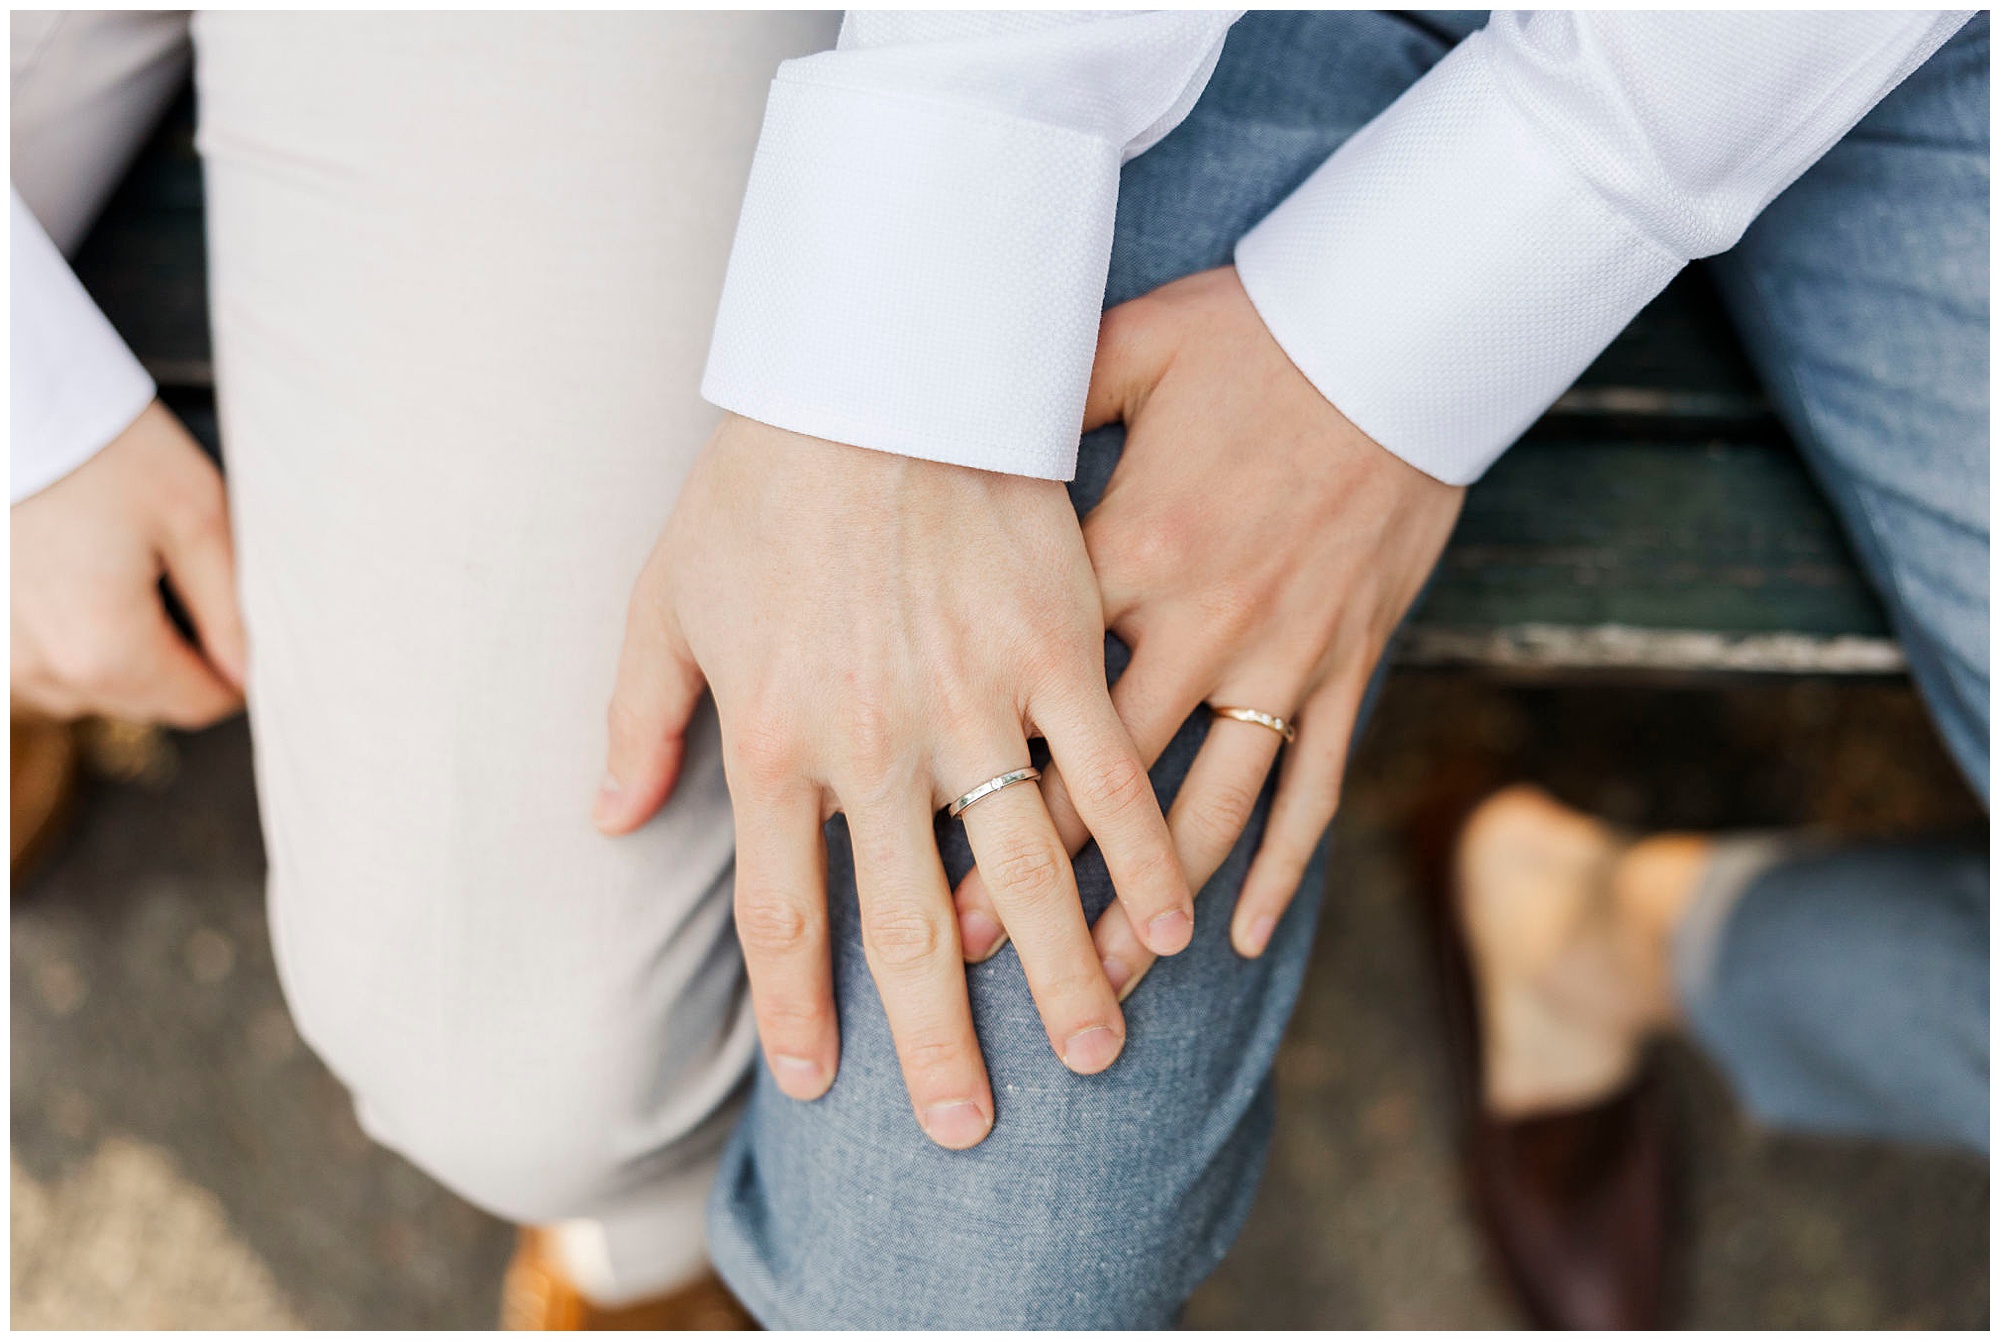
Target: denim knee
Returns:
[1097, 1201]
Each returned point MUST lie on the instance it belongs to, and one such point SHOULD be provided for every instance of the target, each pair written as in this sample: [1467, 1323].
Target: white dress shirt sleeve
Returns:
[75, 386]
[1457, 263]
[922, 252]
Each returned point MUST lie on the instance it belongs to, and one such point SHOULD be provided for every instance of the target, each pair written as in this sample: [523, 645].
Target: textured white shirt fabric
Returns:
[922, 252]
[1457, 263]
[75, 384]
[925, 238]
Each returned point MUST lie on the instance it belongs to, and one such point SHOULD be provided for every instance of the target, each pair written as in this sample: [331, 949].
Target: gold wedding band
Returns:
[992, 785]
[1255, 718]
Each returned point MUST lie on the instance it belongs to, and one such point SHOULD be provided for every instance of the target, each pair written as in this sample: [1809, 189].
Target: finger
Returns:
[201, 565]
[1034, 888]
[654, 699]
[1214, 804]
[1132, 353]
[1152, 698]
[1308, 794]
[167, 681]
[781, 921]
[1106, 780]
[913, 955]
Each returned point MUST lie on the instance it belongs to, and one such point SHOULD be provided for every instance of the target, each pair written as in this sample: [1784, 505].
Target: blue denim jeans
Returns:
[1102, 1201]
[1847, 991]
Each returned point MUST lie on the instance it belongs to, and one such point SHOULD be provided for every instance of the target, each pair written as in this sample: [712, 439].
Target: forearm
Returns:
[75, 384]
[1458, 262]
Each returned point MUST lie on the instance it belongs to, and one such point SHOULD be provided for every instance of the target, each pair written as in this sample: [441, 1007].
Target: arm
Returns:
[86, 88]
[1430, 290]
[108, 491]
[921, 258]
[75, 384]
[1454, 266]
[918, 271]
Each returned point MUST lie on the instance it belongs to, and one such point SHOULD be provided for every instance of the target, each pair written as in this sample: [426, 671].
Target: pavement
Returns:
[180, 1159]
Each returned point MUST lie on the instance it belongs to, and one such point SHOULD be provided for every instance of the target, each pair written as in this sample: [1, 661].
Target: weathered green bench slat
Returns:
[1590, 552]
[1656, 520]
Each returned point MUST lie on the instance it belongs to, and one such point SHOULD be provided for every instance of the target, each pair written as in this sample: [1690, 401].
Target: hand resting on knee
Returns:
[882, 635]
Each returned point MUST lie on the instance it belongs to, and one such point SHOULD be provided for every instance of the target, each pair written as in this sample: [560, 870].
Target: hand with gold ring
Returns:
[1255, 550]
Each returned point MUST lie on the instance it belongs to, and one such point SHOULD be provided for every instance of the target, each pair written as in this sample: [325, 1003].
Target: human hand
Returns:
[90, 631]
[1254, 549]
[883, 634]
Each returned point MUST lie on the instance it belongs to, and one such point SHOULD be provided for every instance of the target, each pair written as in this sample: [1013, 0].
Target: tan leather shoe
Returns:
[537, 1296]
[44, 787]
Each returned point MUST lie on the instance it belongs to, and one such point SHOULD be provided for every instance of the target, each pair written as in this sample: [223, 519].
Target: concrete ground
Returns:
[179, 1159]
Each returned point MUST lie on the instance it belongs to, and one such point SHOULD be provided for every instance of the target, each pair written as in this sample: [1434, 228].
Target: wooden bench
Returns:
[1656, 521]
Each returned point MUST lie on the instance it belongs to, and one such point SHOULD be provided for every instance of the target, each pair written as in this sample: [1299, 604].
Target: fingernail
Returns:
[605, 809]
[1117, 972]
[1259, 935]
[955, 1125]
[1170, 932]
[978, 934]
[798, 1077]
[1091, 1050]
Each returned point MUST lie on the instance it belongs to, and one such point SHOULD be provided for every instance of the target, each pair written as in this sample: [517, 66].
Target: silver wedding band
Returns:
[1255, 718]
[992, 785]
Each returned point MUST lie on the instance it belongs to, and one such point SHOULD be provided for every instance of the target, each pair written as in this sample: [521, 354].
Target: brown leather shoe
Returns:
[537, 1296]
[44, 787]
[1574, 1205]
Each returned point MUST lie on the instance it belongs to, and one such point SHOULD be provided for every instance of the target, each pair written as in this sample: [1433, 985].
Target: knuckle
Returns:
[200, 509]
[1229, 605]
[771, 926]
[901, 938]
[1223, 812]
[1028, 868]
[869, 740]
[1154, 555]
[624, 720]
[767, 755]
[929, 1053]
[94, 661]
[1115, 787]
[1289, 850]
[784, 1016]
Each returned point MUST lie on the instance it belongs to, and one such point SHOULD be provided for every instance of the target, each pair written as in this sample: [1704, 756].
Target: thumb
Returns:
[658, 686]
[1133, 351]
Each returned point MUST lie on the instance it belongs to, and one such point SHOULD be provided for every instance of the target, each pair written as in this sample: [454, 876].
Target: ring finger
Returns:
[1209, 814]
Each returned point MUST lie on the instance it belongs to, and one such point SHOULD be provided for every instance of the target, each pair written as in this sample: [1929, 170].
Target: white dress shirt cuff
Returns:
[1444, 276]
[75, 384]
[917, 277]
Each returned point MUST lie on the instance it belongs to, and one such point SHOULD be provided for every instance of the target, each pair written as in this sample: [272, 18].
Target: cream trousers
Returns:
[462, 275]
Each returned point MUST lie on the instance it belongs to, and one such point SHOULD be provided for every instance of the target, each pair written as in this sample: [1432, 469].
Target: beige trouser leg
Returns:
[463, 269]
